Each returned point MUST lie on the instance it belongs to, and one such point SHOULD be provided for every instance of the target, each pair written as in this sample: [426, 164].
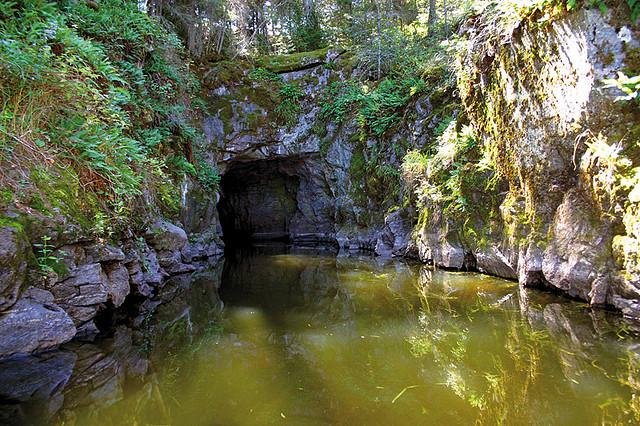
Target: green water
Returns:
[312, 339]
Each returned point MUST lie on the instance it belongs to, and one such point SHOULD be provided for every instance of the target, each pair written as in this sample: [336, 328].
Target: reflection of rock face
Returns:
[100, 371]
[193, 304]
[284, 281]
[37, 381]
[577, 336]
[34, 389]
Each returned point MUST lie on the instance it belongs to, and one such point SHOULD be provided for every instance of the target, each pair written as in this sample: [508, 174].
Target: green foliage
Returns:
[377, 110]
[634, 5]
[291, 62]
[208, 176]
[558, 7]
[47, 261]
[100, 92]
[615, 186]
[181, 166]
[373, 178]
[263, 74]
[307, 34]
[290, 95]
[443, 174]
[455, 179]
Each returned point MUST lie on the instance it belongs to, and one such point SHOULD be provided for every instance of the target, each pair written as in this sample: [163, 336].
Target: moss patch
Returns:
[293, 62]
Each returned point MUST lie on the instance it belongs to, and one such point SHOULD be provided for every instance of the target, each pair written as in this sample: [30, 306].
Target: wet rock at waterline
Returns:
[91, 280]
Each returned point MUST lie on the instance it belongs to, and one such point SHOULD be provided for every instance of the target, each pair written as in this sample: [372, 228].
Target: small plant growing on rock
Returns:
[629, 85]
[46, 258]
[289, 108]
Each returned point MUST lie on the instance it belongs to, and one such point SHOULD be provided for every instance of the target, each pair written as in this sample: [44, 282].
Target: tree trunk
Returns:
[432, 16]
[379, 41]
[307, 9]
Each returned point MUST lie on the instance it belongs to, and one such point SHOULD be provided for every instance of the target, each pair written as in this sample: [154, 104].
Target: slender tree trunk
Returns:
[307, 9]
[379, 40]
[446, 21]
[432, 16]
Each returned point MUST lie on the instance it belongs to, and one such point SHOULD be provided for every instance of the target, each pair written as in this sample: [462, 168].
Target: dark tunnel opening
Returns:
[257, 203]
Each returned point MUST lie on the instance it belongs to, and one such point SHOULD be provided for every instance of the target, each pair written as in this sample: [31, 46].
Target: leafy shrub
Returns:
[208, 176]
[634, 5]
[445, 177]
[263, 74]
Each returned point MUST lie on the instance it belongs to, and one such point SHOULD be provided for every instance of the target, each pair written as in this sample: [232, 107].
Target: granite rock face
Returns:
[296, 180]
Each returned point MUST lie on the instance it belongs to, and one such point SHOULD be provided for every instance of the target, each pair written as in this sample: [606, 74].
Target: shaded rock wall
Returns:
[88, 280]
[244, 129]
[273, 199]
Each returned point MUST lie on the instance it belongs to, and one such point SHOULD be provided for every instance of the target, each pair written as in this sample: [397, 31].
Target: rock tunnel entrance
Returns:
[258, 201]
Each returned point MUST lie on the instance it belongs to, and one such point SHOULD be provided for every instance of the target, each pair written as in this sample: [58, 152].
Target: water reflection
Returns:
[311, 338]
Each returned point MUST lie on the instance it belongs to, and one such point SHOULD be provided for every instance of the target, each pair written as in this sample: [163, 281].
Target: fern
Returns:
[98, 92]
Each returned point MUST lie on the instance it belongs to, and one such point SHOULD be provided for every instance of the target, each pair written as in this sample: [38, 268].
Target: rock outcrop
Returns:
[560, 216]
[84, 280]
[14, 251]
[556, 137]
[299, 179]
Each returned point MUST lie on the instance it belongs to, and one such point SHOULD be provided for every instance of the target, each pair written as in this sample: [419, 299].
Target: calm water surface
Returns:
[305, 337]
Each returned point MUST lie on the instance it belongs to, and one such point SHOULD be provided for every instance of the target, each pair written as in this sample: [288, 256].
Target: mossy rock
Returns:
[224, 73]
[15, 258]
[293, 62]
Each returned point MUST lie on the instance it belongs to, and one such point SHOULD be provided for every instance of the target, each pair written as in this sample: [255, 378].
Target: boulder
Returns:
[492, 261]
[172, 263]
[84, 292]
[165, 236]
[34, 323]
[395, 235]
[118, 279]
[103, 253]
[579, 249]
